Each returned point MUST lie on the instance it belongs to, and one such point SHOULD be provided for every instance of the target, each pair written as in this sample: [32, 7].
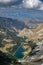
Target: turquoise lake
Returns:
[19, 53]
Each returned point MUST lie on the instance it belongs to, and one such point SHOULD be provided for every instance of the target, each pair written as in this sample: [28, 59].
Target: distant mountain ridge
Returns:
[17, 23]
[9, 23]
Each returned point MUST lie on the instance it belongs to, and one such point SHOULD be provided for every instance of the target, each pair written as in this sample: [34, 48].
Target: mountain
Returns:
[33, 34]
[25, 34]
[17, 23]
[9, 23]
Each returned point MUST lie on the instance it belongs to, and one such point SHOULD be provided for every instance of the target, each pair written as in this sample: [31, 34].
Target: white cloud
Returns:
[33, 4]
[5, 1]
[41, 7]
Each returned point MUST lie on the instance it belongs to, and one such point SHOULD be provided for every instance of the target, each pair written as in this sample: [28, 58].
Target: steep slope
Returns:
[32, 34]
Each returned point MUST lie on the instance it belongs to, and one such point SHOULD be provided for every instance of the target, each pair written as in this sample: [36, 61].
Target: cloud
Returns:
[33, 4]
[5, 1]
[41, 6]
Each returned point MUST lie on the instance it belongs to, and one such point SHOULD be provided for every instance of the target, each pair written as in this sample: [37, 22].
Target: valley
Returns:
[21, 39]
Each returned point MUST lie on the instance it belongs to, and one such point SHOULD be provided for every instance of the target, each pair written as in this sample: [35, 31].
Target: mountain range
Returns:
[17, 23]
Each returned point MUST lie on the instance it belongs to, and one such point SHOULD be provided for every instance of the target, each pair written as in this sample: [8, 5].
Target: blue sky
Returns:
[42, 0]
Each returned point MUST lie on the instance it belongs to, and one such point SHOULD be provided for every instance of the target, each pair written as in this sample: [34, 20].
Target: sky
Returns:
[31, 9]
[32, 4]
